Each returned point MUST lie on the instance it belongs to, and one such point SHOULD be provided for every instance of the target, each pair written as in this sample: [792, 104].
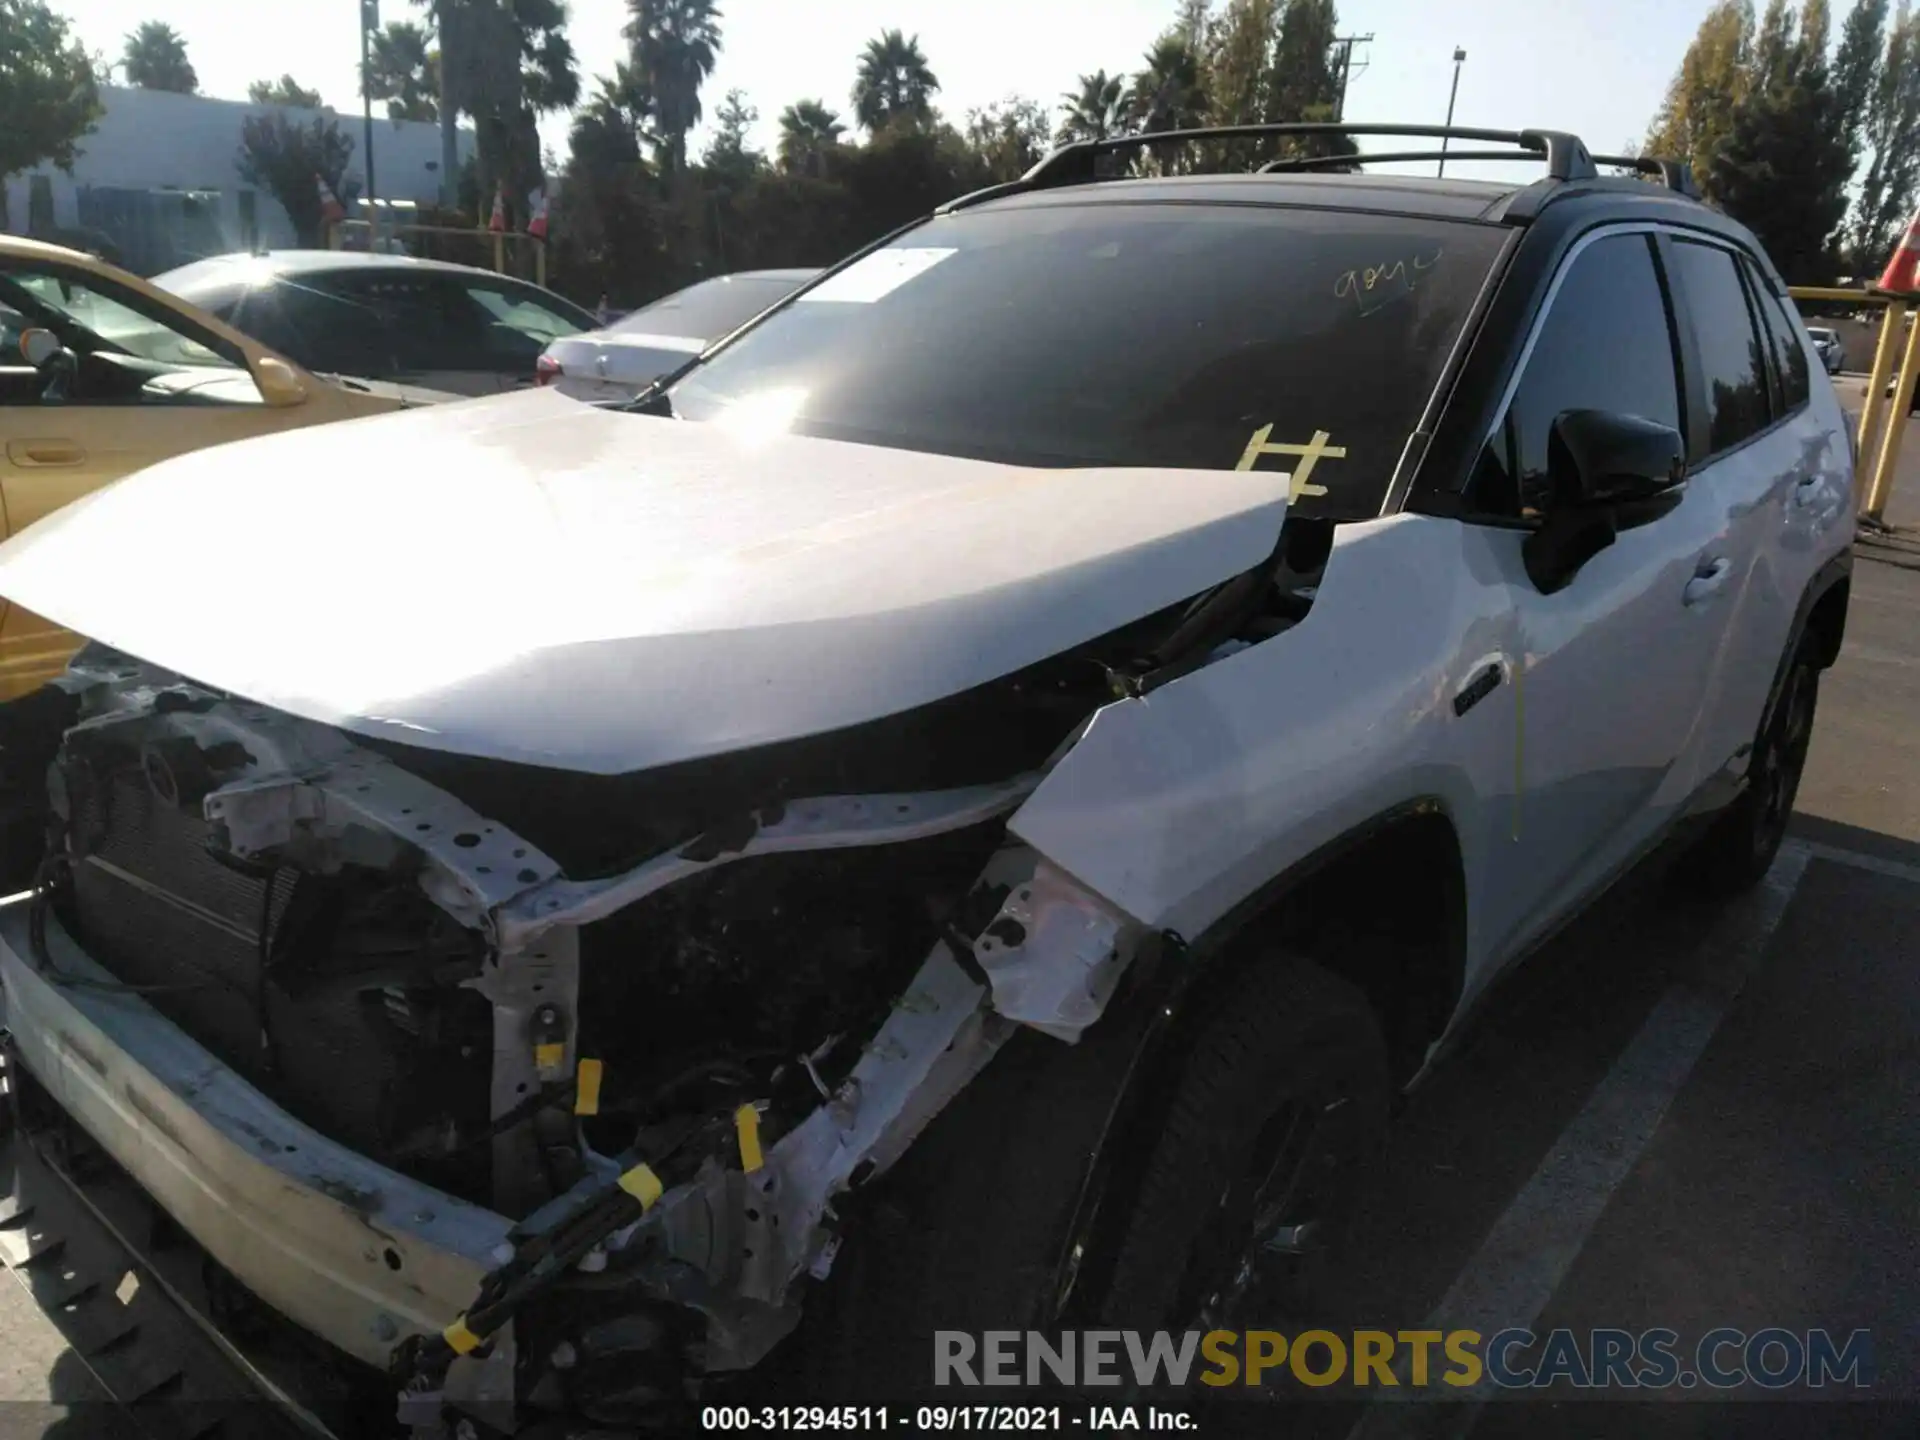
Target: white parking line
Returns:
[1533, 1244]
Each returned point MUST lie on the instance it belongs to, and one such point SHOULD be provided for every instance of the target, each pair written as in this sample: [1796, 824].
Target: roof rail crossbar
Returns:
[1379, 157]
[1073, 164]
[1676, 175]
[1566, 156]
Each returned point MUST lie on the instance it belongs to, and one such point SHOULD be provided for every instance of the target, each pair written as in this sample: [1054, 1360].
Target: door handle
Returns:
[44, 454]
[1707, 580]
[1807, 491]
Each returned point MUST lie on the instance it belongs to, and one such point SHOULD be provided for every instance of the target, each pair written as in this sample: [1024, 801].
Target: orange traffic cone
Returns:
[537, 225]
[1902, 275]
[331, 210]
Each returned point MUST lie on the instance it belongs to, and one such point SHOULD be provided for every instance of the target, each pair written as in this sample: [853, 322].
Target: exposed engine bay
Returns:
[657, 1021]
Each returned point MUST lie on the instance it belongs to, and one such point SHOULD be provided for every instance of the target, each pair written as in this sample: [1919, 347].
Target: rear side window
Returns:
[1789, 353]
[1116, 333]
[1606, 343]
[1732, 364]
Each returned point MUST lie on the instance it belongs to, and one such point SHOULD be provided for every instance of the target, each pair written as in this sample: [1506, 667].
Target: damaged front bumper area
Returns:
[483, 1122]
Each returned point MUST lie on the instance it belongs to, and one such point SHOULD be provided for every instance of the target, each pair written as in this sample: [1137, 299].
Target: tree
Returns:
[48, 95]
[155, 58]
[1008, 137]
[286, 158]
[285, 91]
[1305, 83]
[1097, 110]
[675, 44]
[728, 155]
[1857, 67]
[1890, 133]
[504, 63]
[894, 83]
[1785, 165]
[1168, 94]
[1697, 116]
[809, 132]
[404, 71]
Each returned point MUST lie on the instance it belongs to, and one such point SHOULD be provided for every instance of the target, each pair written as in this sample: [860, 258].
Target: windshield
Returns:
[710, 309]
[1185, 336]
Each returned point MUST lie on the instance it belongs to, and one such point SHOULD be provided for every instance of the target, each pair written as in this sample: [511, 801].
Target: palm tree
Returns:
[808, 130]
[504, 63]
[155, 58]
[894, 82]
[1097, 110]
[1168, 94]
[675, 44]
[405, 72]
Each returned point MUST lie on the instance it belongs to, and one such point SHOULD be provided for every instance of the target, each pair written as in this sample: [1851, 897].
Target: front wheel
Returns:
[1740, 847]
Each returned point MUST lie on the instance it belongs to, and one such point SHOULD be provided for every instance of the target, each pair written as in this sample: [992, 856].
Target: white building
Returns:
[158, 178]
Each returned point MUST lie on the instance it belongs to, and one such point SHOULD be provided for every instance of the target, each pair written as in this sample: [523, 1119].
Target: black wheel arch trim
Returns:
[1837, 570]
[1166, 1004]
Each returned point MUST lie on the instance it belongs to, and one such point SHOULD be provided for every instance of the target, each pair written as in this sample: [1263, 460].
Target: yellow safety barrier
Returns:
[1877, 465]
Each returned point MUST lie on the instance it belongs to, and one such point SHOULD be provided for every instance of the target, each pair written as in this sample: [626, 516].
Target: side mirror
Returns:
[280, 385]
[1600, 465]
[38, 346]
[1602, 457]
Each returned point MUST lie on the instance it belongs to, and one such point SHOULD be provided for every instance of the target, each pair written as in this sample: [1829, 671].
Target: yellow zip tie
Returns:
[463, 1340]
[746, 1124]
[586, 1093]
[641, 1183]
[548, 1057]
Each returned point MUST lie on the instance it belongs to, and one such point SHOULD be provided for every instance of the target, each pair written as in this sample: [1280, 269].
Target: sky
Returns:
[1596, 67]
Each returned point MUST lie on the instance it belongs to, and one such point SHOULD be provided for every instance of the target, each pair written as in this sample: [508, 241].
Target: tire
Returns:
[1249, 1184]
[1740, 846]
[975, 1219]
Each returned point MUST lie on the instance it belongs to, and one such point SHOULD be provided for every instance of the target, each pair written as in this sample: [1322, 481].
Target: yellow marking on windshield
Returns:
[1311, 454]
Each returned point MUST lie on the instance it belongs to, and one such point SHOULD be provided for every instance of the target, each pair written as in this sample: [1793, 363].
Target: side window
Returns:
[1606, 344]
[1733, 370]
[324, 332]
[516, 324]
[415, 315]
[1789, 350]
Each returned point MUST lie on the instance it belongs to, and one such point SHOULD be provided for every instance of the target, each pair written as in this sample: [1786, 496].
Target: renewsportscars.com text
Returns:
[1513, 1359]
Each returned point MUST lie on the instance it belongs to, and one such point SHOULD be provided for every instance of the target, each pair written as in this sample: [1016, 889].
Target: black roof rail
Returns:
[1380, 157]
[1566, 155]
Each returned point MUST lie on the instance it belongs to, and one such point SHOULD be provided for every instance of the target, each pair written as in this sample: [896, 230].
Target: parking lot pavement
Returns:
[1676, 1115]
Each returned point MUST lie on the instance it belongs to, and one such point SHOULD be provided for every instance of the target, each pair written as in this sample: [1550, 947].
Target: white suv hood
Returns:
[532, 579]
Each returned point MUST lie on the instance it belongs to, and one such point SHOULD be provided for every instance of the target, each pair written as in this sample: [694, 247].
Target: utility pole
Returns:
[369, 24]
[1345, 44]
[1459, 59]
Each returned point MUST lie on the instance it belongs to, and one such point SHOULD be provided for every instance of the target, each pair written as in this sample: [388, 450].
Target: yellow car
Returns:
[102, 374]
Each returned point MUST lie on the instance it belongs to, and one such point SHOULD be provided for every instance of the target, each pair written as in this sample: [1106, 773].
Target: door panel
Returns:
[1785, 493]
[1613, 669]
[150, 385]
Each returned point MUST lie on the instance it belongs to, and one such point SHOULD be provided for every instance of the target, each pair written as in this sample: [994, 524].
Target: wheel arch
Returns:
[1414, 985]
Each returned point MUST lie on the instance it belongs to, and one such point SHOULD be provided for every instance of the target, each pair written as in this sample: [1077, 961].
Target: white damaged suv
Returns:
[1040, 735]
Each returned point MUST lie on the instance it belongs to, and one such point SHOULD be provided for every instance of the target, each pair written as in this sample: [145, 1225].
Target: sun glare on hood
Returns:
[763, 416]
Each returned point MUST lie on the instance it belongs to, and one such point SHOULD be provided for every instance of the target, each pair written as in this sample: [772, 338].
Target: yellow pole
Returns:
[499, 253]
[1898, 412]
[540, 263]
[333, 236]
[1892, 324]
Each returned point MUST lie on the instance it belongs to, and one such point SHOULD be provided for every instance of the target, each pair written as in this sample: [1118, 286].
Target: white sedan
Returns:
[617, 363]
